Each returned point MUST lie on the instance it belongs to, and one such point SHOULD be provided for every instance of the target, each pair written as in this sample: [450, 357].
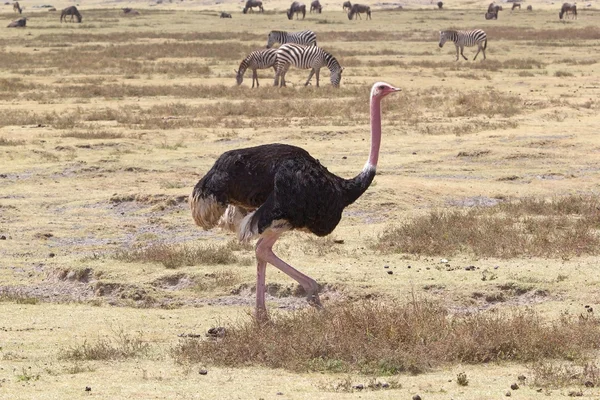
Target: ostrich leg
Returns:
[264, 251]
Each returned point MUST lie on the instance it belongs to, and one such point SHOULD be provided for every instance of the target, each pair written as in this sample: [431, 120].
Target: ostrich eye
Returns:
[381, 87]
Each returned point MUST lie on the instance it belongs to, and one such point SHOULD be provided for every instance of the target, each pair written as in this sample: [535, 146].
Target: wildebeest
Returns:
[130, 12]
[250, 4]
[358, 9]
[491, 15]
[225, 15]
[346, 6]
[440, 5]
[516, 5]
[529, 8]
[566, 9]
[316, 6]
[494, 8]
[19, 23]
[296, 8]
[17, 7]
[72, 11]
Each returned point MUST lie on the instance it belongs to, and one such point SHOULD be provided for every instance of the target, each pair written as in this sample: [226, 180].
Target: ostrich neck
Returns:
[375, 133]
[356, 186]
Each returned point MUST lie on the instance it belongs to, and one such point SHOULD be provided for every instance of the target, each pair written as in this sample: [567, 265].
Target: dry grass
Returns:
[383, 339]
[120, 346]
[557, 375]
[559, 228]
[175, 256]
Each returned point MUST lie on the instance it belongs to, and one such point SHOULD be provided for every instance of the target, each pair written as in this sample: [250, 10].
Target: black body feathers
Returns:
[284, 184]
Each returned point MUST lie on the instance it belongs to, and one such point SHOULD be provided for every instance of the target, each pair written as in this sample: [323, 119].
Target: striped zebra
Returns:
[465, 38]
[305, 57]
[307, 38]
[259, 59]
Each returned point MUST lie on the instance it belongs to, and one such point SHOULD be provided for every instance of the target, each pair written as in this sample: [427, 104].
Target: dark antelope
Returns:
[73, 12]
[250, 4]
[566, 9]
[346, 6]
[17, 7]
[358, 9]
[130, 12]
[316, 6]
[19, 23]
[440, 5]
[516, 5]
[225, 15]
[296, 8]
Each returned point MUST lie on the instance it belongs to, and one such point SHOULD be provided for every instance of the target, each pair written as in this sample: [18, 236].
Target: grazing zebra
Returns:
[358, 9]
[250, 4]
[529, 8]
[465, 38]
[225, 15]
[566, 9]
[307, 38]
[296, 8]
[316, 6]
[72, 11]
[259, 59]
[306, 57]
[440, 5]
[17, 7]
[516, 5]
[346, 6]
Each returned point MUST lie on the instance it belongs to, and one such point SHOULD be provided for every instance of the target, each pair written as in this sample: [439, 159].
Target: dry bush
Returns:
[175, 256]
[556, 375]
[10, 142]
[487, 103]
[381, 339]
[120, 346]
[560, 228]
[93, 134]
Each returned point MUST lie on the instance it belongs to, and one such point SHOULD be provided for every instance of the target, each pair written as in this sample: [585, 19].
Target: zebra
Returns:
[358, 9]
[307, 38]
[296, 8]
[305, 57]
[566, 9]
[316, 6]
[346, 6]
[259, 59]
[72, 11]
[465, 38]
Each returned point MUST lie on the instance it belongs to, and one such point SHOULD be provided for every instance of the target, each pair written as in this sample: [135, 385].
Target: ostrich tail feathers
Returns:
[232, 218]
[248, 228]
[206, 211]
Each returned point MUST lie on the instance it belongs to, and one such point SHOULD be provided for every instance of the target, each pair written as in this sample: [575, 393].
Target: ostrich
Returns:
[267, 190]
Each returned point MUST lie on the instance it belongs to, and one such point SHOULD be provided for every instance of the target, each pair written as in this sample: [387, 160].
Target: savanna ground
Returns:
[471, 260]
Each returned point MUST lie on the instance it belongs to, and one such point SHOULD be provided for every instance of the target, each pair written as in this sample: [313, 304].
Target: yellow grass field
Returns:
[106, 126]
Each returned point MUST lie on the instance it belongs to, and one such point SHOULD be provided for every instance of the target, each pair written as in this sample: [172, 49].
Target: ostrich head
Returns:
[382, 89]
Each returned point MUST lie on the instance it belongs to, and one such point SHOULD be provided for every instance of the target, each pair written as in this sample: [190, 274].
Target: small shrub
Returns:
[563, 73]
[461, 379]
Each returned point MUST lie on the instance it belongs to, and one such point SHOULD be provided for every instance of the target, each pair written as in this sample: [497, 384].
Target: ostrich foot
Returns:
[313, 300]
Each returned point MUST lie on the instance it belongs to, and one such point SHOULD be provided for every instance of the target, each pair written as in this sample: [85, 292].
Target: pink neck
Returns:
[375, 132]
